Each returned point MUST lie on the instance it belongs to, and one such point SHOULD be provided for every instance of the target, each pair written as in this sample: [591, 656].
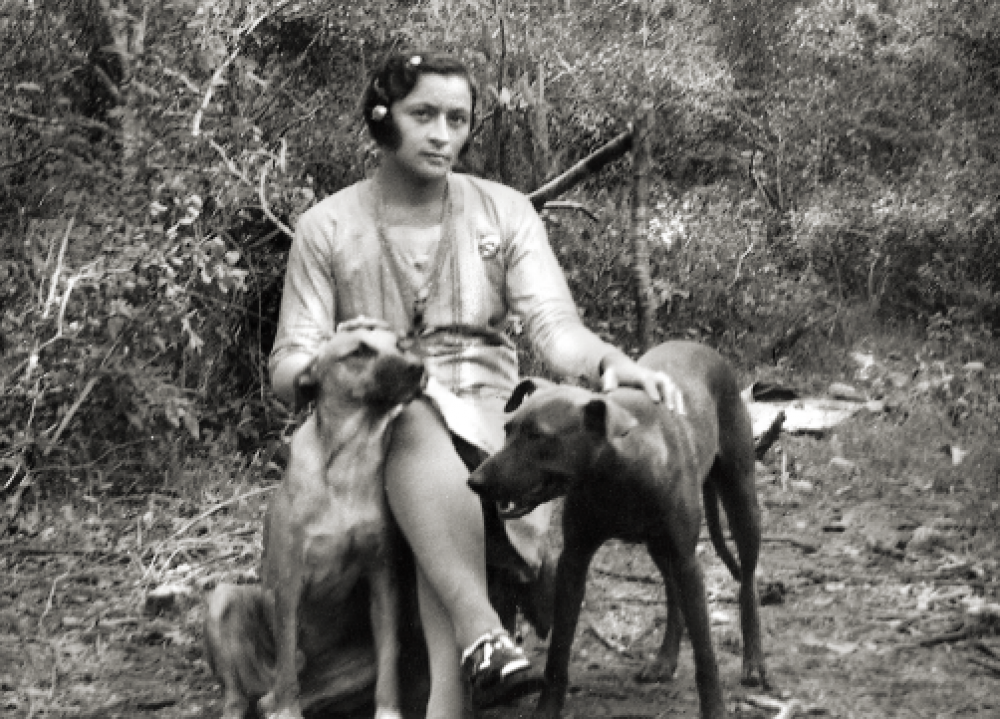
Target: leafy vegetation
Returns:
[822, 168]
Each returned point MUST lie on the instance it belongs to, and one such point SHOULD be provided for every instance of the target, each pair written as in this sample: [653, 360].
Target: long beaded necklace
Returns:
[413, 295]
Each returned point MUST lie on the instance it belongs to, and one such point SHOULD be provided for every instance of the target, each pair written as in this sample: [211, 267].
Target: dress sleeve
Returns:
[308, 301]
[538, 293]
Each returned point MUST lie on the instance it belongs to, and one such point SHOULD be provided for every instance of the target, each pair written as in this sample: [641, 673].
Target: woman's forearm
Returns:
[284, 373]
[570, 349]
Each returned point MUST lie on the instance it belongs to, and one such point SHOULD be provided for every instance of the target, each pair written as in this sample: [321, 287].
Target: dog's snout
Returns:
[476, 482]
[400, 378]
[419, 374]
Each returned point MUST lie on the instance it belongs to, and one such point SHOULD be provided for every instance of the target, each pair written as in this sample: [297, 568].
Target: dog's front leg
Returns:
[664, 666]
[571, 584]
[385, 627]
[282, 702]
[690, 584]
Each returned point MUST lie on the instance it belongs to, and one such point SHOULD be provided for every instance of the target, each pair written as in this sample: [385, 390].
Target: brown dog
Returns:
[304, 638]
[632, 470]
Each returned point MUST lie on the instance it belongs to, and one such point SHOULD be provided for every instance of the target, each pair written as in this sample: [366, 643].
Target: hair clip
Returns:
[415, 60]
[379, 112]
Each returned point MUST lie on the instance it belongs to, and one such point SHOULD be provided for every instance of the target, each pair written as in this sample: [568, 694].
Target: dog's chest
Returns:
[344, 545]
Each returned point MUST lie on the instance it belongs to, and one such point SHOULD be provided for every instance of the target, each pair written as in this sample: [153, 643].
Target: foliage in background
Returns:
[810, 157]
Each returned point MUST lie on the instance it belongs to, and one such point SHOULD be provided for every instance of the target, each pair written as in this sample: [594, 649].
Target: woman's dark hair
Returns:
[395, 79]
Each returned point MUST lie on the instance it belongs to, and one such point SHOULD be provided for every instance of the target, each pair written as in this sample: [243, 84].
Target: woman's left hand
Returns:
[622, 371]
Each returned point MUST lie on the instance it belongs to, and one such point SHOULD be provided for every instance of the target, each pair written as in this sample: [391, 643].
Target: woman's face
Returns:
[433, 124]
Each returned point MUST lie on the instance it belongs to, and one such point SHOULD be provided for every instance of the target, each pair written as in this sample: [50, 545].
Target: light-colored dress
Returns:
[498, 262]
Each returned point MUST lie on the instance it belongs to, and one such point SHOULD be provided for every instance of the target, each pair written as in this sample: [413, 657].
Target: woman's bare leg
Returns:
[441, 519]
[447, 695]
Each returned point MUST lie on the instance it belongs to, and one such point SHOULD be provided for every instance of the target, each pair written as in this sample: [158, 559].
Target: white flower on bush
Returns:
[668, 226]
[192, 210]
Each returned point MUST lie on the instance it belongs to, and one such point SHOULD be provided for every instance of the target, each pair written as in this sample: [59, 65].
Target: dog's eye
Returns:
[532, 432]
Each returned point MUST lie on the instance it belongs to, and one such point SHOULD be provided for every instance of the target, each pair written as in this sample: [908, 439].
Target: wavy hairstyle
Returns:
[396, 78]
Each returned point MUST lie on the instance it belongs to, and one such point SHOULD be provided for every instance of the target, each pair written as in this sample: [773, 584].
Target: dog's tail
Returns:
[711, 500]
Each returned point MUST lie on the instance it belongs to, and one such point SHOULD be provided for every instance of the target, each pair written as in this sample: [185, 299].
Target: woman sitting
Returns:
[420, 246]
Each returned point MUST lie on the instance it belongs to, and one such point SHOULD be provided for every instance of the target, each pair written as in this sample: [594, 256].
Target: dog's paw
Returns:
[387, 713]
[656, 671]
[754, 676]
[550, 704]
[269, 710]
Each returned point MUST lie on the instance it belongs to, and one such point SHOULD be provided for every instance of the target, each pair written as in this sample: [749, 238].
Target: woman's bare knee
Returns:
[417, 428]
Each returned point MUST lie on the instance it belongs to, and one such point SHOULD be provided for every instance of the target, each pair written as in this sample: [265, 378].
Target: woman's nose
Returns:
[439, 129]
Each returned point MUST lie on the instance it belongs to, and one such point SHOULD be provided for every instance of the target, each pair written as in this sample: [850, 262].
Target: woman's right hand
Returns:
[363, 323]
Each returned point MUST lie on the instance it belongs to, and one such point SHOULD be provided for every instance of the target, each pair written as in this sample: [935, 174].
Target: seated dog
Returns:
[305, 637]
[632, 470]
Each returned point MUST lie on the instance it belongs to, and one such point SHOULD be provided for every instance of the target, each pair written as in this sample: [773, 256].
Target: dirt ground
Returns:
[880, 593]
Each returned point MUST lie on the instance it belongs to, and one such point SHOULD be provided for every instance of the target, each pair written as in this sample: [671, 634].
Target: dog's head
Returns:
[556, 435]
[363, 366]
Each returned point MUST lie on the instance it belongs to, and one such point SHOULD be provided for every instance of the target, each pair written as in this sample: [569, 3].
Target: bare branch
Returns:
[54, 282]
[588, 166]
[262, 192]
[230, 165]
[570, 205]
[221, 69]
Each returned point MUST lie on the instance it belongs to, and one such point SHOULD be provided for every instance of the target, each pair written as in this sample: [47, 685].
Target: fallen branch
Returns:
[59, 124]
[988, 650]
[802, 544]
[946, 638]
[570, 205]
[68, 417]
[221, 505]
[644, 579]
[807, 547]
[586, 167]
[992, 666]
[786, 710]
[770, 436]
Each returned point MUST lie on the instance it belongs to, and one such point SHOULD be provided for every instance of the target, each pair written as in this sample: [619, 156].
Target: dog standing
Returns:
[302, 638]
[632, 470]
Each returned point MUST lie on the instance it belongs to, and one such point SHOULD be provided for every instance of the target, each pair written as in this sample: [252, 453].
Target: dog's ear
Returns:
[525, 388]
[607, 419]
[306, 386]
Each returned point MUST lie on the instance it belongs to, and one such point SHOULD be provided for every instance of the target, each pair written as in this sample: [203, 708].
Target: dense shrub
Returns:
[807, 157]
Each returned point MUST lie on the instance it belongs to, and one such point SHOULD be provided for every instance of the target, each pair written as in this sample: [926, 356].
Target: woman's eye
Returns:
[457, 120]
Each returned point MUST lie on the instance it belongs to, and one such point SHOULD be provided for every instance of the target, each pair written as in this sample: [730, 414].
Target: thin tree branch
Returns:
[219, 71]
[262, 192]
[29, 158]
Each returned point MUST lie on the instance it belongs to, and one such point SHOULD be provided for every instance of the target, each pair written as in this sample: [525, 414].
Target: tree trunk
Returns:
[542, 165]
[133, 38]
[114, 32]
[645, 308]
[499, 120]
